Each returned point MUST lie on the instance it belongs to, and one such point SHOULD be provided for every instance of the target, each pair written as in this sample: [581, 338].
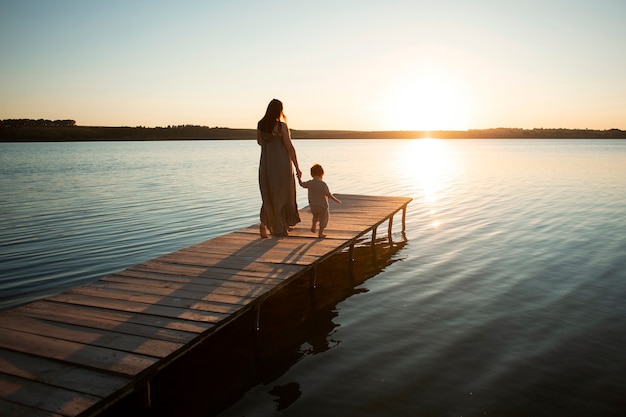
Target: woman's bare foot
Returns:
[263, 231]
[313, 228]
[321, 235]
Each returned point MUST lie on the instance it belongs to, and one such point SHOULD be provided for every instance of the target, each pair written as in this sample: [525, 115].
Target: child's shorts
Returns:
[321, 214]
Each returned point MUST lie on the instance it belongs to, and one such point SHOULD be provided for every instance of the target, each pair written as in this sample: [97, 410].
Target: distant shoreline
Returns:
[95, 133]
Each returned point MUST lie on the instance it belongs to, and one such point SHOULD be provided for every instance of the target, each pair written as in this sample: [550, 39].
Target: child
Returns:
[318, 198]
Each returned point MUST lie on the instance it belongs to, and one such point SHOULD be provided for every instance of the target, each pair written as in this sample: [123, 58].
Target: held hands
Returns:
[298, 173]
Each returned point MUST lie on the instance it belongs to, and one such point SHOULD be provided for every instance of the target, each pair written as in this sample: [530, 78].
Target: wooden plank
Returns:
[95, 357]
[210, 276]
[60, 374]
[241, 261]
[264, 272]
[156, 300]
[219, 274]
[89, 336]
[231, 262]
[230, 245]
[249, 290]
[105, 320]
[44, 397]
[306, 250]
[51, 308]
[238, 287]
[8, 408]
[139, 308]
[245, 276]
[134, 291]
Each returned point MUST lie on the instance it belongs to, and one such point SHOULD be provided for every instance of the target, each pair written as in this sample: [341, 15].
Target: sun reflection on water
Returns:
[426, 161]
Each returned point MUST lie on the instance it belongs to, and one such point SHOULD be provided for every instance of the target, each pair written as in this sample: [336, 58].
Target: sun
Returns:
[426, 103]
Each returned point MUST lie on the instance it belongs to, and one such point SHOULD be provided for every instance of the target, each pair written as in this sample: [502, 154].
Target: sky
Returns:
[336, 65]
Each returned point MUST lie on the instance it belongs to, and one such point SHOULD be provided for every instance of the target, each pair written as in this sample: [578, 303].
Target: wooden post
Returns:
[374, 236]
[389, 229]
[313, 278]
[258, 316]
[145, 395]
[403, 218]
[351, 260]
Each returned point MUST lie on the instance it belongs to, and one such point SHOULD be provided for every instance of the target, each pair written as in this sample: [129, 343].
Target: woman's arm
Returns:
[291, 151]
[258, 136]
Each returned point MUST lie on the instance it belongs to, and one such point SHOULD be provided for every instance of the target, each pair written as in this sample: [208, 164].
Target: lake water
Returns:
[507, 298]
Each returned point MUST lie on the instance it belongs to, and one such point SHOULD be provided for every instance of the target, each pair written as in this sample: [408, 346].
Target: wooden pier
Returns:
[79, 352]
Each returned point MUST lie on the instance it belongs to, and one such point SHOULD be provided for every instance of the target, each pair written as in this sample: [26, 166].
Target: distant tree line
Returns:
[496, 133]
[28, 130]
[37, 123]
[548, 133]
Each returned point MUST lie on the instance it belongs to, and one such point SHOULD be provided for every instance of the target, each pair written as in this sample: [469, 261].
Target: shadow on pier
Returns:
[295, 322]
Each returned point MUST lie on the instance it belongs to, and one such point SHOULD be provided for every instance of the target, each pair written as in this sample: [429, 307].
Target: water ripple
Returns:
[508, 298]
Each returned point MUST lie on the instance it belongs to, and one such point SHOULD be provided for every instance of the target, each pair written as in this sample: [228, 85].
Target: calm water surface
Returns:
[508, 297]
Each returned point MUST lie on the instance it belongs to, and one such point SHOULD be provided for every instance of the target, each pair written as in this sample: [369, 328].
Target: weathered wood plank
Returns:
[249, 290]
[213, 281]
[243, 261]
[63, 375]
[51, 308]
[139, 308]
[105, 320]
[41, 396]
[134, 291]
[89, 336]
[109, 293]
[214, 276]
[305, 250]
[105, 359]
[264, 272]
[307, 245]
[12, 409]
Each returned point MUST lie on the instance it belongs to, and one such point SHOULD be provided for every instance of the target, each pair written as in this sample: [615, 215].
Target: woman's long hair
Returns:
[273, 113]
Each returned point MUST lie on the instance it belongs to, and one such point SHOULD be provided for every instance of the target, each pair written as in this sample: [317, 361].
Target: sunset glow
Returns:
[427, 103]
[368, 66]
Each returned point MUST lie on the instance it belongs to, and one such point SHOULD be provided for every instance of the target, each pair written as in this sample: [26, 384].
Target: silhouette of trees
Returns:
[37, 123]
[17, 130]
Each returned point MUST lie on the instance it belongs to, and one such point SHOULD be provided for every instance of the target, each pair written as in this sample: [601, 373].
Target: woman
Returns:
[279, 211]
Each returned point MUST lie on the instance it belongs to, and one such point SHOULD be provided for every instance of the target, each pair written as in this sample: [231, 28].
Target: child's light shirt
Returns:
[318, 192]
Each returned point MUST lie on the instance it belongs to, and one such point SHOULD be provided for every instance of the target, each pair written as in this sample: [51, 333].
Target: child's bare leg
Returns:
[323, 218]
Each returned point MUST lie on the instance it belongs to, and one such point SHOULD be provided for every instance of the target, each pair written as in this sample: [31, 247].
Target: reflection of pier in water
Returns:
[295, 322]
[79, 352]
